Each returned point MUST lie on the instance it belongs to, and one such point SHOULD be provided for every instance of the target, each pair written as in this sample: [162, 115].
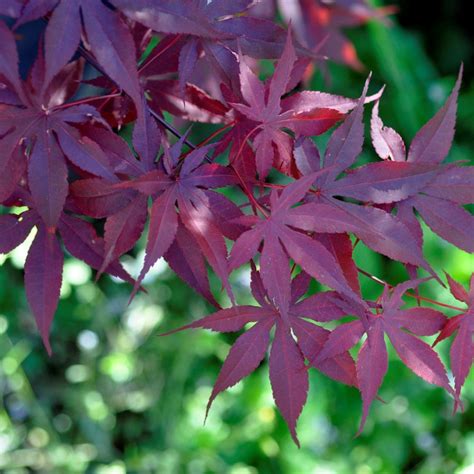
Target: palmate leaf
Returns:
[372, 362]
[50, 133]
[438, 191]
[265, 117]
[280, 241]
[184, 201]
[107, 35]
[378, 229]
[288, 373]
[44, 262]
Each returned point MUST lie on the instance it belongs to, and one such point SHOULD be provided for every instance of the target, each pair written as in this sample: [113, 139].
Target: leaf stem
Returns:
[217, 132]
[86, 100]
[168, 46]
[412, 295]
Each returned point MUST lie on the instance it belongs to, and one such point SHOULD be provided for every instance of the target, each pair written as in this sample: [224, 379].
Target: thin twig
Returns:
[412, 295]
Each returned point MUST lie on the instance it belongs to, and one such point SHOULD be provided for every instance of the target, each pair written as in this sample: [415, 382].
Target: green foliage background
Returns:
[117, 398]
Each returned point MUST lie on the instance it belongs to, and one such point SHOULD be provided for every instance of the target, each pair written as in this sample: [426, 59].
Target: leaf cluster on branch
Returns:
[64, 164]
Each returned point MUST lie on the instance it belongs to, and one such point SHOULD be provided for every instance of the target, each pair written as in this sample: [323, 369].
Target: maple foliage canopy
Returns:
[256, 192]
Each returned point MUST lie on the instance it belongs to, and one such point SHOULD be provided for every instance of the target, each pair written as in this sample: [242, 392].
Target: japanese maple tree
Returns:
[257, 193]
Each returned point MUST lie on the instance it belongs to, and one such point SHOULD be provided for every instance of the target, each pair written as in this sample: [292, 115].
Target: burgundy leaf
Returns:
[147, 140]
[387, 142]
[43, 277]
[432, 143]
[47, 176]
[9, 57]
[196, 217]
[372, 365]
[455, 183]
[122, 230]
[449, 221]
[340, 245]
[341, 339]
[307, 101]
[386, 234]
[112, 44]
[420, 321]
[65, 84]
[323, 306]
[244, 357]
[289, 378]
[384, 182]
[187, 61]
[14, 230]
[346, 142]
[307, 156]
[85, 153]
[275, 273]
[281, 76]
[65, 22]
[149, 183]
[457, 290]
[450, 327]
[419, 357]
[162, 231]
[188, 264]
[99, 198]
[299, 286]
[462, 354]
[245, 247]
[315, 260]
[82, 242]
[168, 16]
[311, 339]
[322, 218]
[229, 320]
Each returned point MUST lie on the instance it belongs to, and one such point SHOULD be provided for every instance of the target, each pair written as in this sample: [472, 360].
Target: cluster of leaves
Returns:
[84, 189]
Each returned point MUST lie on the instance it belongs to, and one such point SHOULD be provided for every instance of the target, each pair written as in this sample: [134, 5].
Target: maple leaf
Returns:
[125, 204]
[435, 190]
[462, 348]
[263, 111]
[44, 262]
[184, 184]
[284, 235]
[303, 113]
[379, 230]
[41, 133]
[390, 319]
[103, 31]
[288, 374]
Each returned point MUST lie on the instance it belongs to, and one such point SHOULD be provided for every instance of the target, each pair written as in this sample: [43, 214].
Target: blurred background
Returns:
[115, 398]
